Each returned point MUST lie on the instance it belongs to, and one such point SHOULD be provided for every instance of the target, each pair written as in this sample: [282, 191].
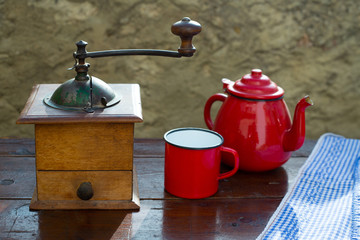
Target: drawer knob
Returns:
[85, 191]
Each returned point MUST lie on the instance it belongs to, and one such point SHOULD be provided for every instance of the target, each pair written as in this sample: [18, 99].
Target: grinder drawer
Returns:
[64, 185]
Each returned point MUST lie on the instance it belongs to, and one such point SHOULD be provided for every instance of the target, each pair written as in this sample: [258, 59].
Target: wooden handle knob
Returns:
[186, 29]
[85, 191]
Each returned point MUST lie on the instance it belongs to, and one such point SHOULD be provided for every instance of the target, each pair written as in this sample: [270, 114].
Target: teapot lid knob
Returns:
[256, 73]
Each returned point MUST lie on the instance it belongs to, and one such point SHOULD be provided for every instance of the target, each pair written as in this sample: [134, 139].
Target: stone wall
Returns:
[306, 47]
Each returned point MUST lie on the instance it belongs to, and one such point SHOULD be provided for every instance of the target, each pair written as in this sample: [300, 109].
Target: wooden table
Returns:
[240, 209]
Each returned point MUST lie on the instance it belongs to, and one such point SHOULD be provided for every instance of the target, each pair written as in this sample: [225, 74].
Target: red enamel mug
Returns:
[192, 162]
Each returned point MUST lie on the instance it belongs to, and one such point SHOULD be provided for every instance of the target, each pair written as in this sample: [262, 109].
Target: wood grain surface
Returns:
[86, 146]
[240, 209]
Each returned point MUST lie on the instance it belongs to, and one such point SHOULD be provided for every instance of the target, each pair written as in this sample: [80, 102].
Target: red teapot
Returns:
[255, 121]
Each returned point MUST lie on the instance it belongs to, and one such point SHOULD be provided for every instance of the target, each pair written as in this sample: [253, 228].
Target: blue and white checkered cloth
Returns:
[324, 202]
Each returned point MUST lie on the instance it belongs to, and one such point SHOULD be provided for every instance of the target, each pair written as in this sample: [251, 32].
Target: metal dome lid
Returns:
[83, 95]
[255, 86]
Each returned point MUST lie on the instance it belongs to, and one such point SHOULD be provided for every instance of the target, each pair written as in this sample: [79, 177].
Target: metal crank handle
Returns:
[186, 29]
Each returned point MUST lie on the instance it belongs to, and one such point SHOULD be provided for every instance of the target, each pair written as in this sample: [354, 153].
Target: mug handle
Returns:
[216, 97]
[236, 162]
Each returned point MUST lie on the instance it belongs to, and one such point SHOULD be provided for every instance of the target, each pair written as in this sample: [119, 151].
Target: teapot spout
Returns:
[294, 137]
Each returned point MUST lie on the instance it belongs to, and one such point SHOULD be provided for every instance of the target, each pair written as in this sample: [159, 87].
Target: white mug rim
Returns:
[197, 129]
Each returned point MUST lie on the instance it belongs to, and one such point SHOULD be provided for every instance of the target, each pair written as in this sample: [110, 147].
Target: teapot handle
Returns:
[216, 97]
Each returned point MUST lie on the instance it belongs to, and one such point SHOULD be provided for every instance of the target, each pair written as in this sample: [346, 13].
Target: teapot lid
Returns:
[254, 86]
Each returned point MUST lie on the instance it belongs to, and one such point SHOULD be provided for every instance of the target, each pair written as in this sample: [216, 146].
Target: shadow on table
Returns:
[78, 224]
